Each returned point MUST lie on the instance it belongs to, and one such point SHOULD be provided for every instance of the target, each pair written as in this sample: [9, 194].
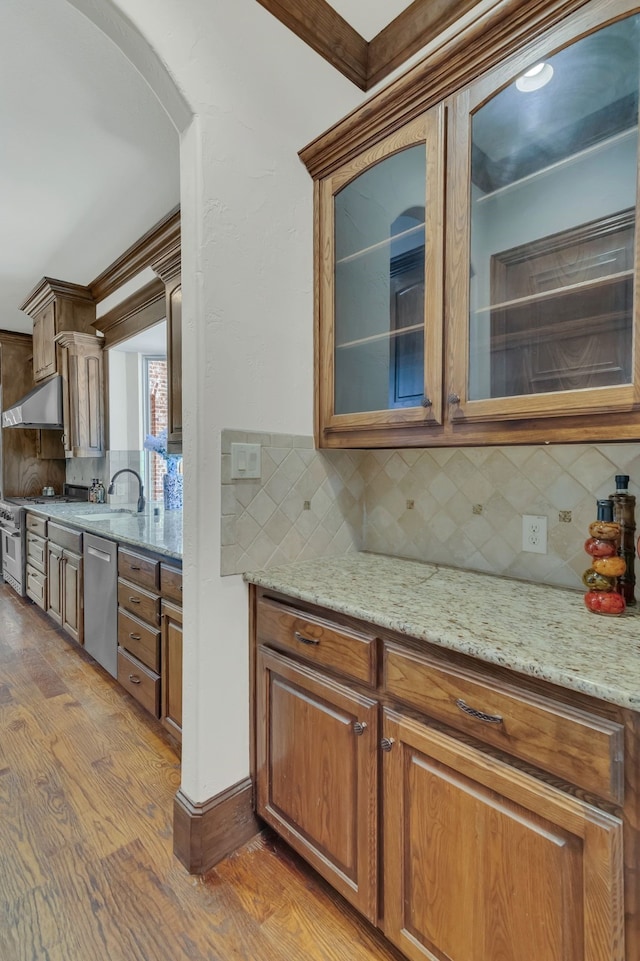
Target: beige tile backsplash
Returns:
[456, 506]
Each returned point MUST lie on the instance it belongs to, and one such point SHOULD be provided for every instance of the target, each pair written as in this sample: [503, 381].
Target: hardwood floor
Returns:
[86, 865]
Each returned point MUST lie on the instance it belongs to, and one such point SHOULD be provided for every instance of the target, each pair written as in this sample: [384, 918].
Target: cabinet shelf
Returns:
[381, 244]
[559, 292]
[385, 335]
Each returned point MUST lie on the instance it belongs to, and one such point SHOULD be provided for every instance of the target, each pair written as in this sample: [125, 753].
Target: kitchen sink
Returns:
[104, 515]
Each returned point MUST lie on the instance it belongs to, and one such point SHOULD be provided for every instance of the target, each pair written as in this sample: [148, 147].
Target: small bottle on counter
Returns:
[624, 506]
[604, 595]
[101, 494]
[92, 490]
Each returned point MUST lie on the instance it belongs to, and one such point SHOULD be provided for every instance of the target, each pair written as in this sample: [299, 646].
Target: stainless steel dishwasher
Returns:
[101, 601]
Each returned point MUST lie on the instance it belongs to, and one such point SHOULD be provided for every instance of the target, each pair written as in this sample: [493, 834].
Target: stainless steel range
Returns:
[13, 530]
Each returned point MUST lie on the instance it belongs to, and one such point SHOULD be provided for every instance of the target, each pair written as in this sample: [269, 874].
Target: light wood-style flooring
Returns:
[86, 865]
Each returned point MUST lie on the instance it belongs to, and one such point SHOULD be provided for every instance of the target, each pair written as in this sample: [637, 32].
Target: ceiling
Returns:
[88, 159]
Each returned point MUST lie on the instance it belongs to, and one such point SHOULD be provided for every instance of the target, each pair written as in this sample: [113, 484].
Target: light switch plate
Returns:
[246, 461]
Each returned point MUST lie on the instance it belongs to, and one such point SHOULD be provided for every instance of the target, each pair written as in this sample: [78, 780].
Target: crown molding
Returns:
[151, 247]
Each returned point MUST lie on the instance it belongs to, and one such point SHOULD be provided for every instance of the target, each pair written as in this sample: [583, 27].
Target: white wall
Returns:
[125, 401]
[257, 95]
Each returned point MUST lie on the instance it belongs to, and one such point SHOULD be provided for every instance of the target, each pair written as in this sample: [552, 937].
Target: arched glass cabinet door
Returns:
[380, 318]
[544, 199]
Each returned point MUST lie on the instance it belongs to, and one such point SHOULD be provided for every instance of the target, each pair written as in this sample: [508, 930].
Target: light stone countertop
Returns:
[161, 534]
[540, 631]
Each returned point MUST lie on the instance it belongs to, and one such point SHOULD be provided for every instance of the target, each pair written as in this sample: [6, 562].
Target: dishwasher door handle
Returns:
[101, 555]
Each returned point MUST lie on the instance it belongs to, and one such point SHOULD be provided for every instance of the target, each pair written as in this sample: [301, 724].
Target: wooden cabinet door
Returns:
[171, 660]
[174, 365]
[72, 596]
[55, 565]
[541, 259]
[482, 861]
[379, 249]
[83, 394]
[44, 348]
[317, 767]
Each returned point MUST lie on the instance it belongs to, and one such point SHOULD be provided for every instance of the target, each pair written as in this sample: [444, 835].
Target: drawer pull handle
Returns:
[305, 640]
[359, 727]
[134, 568]
[134, 637]
[134, 679]
[479, 715]
[386, 743]
[134, 600]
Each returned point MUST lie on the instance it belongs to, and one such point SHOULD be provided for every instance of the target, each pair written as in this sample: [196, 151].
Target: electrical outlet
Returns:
[534, 533]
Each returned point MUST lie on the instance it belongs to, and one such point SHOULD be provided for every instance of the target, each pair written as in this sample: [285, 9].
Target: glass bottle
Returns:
[624, 505]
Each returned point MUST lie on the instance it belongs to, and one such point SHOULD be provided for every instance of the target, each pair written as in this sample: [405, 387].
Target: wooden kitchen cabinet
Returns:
[171, 685]
[139, 662]
[482, 861]
[56, 306]
[65, 587]
[168, 269]
[317, 773]
[82, 371]
[506, 809]
[476, 238]
[36, 559]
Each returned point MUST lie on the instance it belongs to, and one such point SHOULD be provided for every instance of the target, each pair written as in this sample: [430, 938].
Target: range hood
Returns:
[41, 407]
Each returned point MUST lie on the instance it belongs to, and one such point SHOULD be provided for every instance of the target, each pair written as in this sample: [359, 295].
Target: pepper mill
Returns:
[624, 505]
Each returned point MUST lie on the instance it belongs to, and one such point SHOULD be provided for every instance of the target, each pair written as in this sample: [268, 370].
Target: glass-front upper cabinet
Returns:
[380, 276]
[543, 201]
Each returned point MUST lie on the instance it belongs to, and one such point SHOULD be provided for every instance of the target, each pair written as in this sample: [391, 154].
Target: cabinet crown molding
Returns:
[49, 290]
[74, 338]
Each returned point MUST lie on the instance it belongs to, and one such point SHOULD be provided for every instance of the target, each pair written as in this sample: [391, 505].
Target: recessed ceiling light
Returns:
[535, 77]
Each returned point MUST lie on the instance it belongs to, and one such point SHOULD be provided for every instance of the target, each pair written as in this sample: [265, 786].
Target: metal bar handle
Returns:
[134, 600]
[305, 640]
[479, 715]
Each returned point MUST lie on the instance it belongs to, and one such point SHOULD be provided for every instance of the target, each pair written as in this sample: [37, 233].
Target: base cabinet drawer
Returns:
[37, 587]
[37, 552]
[139, 602]
[320, 641]
[139, 681]
[140, 640]
[582, 748]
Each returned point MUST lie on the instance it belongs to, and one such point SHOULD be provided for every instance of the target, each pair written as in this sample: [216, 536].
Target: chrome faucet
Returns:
[128, 470]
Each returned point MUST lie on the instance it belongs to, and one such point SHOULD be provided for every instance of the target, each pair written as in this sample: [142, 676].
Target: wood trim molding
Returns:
[141, 310]
[411, 30]
[149, 248]
[366, 63]
[482, 43]
[47, 290]
[204, 834]
[326, 32]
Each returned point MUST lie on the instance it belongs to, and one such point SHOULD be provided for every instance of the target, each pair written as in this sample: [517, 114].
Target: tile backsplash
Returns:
[82, 470]
[456, 506]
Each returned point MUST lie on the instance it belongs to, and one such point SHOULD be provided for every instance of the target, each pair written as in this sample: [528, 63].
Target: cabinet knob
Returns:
[453, 399]
[134, 637]
[427, 402]
[387, 743]
[134, 678]
[359, 727]
[134, 600]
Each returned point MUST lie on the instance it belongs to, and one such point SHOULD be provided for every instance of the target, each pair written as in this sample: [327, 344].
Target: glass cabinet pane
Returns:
[553, 196]
[379, 285]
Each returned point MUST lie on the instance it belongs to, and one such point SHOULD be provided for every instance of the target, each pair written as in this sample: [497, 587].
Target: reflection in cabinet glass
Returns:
[379, 286]
[553, 195]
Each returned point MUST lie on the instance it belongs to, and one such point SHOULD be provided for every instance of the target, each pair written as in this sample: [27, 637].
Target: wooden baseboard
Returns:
[205, 833]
